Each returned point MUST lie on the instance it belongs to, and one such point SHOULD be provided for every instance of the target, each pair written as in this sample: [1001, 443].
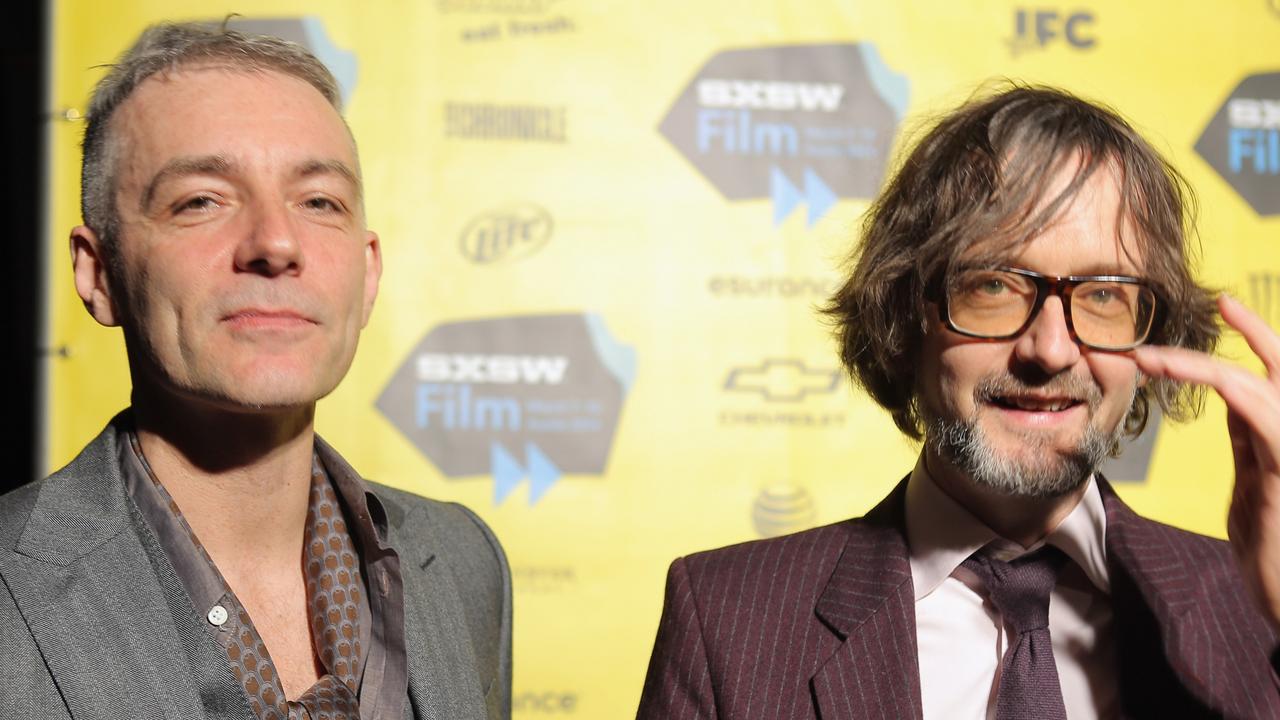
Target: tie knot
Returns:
[1020, 588]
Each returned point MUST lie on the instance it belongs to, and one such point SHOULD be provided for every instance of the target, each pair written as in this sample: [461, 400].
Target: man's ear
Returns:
[89, 264]
[372, 273]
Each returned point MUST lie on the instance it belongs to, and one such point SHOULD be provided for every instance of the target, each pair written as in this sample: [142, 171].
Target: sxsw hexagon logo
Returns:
[1134, 462]
[1242, 142]
[797, 124]
[532, 397]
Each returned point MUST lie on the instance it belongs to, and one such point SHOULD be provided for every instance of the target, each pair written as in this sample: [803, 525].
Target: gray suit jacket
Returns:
[94, 623]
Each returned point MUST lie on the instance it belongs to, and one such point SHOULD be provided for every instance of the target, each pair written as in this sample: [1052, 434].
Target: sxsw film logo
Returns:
[531, 397]
[1135, 458]
[1242, 142]
[509, 233]
[310, 33]
[1037, 29]
[796, 123]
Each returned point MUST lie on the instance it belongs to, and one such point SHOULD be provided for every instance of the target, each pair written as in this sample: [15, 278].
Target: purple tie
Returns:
[1019, 589]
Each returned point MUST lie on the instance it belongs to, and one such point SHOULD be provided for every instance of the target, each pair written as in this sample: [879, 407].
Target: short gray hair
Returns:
[168, 47]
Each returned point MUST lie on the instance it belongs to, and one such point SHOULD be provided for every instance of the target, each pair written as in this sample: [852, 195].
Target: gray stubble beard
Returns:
[1052, 474]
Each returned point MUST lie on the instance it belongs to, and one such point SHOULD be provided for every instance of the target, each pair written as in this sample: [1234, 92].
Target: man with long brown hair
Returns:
[1021, 295]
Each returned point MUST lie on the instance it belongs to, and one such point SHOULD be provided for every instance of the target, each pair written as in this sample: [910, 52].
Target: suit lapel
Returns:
[1161, 611]
[869, 603]
[1166, 655]
[443, 681]
[111, 646]
[1135, 546]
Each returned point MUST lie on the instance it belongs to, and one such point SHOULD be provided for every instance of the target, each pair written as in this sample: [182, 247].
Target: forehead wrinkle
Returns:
[183, 166]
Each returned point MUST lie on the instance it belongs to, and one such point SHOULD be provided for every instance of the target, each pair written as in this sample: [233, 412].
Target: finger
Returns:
[1241, 445]
[1261, 338]
[1244, 493]
[1242, 389]
[1240, 529]
[1252, 398]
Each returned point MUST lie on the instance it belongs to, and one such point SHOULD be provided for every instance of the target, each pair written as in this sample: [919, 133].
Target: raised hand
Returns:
[1253, 422]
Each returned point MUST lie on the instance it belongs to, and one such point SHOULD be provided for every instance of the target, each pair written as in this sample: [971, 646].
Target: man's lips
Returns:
[1030, 411]
[267, 318]
[1034, 403]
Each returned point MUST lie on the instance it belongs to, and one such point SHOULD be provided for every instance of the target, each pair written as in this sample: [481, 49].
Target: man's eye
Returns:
[322, 204]
[201, 203]
[984, 284]
[1102, 296]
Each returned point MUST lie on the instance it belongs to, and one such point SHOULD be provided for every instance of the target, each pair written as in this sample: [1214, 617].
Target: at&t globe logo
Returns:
[783, 508]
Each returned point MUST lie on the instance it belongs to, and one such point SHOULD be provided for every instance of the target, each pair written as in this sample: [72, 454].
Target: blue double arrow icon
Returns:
[508, 473]
[786, 196]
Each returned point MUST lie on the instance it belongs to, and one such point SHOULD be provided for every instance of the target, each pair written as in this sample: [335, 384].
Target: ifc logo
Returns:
[783, 508]
[1034, 29]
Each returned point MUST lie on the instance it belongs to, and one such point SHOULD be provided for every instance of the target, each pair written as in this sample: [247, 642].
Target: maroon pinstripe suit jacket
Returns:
[821, 624]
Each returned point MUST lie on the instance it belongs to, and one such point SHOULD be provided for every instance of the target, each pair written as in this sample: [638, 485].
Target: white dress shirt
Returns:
[961, 637]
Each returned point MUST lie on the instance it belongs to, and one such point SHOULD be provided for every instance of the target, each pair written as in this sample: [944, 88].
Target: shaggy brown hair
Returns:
[979, 176]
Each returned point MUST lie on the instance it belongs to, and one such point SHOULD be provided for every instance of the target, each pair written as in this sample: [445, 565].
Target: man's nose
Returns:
[1047, 342]
[271, 245]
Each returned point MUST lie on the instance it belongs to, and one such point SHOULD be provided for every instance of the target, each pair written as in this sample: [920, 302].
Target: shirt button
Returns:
[217, 615]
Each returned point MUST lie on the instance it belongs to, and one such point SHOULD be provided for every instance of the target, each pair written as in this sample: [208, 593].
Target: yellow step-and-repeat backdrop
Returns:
[606, 228]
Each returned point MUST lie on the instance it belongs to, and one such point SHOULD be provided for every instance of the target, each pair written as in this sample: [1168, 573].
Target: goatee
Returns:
[1043, 470]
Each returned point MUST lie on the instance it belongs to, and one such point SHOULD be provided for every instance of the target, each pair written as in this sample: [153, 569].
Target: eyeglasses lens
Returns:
[1105, 314]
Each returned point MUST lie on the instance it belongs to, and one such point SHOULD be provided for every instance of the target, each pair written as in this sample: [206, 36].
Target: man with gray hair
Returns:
[208, 555]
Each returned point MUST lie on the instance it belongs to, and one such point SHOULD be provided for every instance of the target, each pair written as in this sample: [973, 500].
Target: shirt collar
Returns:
[941, 534]
[367, 512]
[196, 572]
[202, 581]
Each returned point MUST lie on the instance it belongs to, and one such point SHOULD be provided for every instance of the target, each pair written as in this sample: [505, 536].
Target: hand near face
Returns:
[1253, 421]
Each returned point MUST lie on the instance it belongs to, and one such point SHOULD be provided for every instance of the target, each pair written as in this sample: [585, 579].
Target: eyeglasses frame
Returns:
[1060, 286]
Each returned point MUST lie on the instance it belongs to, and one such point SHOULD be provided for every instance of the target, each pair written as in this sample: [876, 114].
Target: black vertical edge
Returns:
[24, 68]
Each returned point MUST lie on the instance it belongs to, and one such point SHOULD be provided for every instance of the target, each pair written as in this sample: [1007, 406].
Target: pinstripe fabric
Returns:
[1191, 642]
[821, 624]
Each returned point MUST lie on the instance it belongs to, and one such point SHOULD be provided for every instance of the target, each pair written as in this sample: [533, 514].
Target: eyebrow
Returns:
[222, 165]
[182, 166]
[1095, 269]
[1108, 269]
[331, 167]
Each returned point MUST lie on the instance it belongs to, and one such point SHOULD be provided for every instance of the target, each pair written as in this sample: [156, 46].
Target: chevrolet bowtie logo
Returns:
[782, 380]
